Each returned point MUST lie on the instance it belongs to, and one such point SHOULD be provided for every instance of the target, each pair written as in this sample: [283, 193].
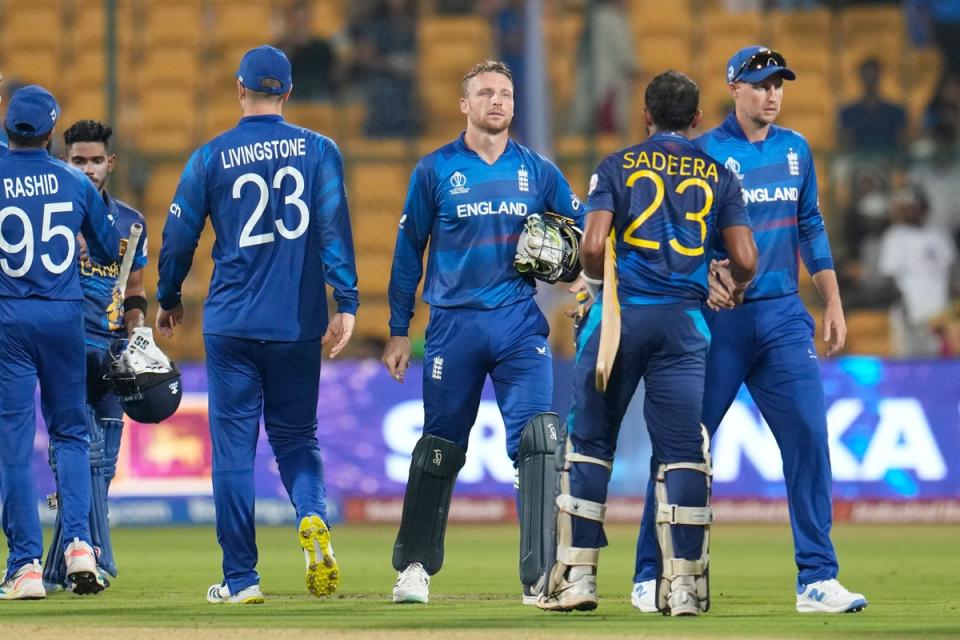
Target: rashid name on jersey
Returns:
[44, 203]
[780, 190]
[275, 196]
[103, 300]
[669, 201]
[472, 213]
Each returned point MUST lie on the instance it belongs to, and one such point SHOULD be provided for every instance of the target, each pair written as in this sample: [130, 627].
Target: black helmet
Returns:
[147, 382]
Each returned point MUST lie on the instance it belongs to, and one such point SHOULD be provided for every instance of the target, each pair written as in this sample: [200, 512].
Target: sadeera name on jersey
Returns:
[487, 208]
[29, 186]
[268, 150]
[763, 194]
[671, 165]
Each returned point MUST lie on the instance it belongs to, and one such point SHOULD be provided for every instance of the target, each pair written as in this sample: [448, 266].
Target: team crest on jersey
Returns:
[733, 166]
[793, 162]
[523, 183]
[575, 202]
[437, 372]
[459, 183]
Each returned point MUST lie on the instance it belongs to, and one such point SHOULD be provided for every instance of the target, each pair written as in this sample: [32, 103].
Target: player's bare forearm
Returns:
[133, 319]
[339, 332]
[834, 324]
[396, 356]
[593, 244]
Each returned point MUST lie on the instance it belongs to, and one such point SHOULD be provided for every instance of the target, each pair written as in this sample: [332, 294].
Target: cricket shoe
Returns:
[683, 599]
[828, 596]
[220, 594]
[413, 585]
[82, 572]
[25, 584]
[323, 572]
[577, 591]
[644, 596]
[530, 595]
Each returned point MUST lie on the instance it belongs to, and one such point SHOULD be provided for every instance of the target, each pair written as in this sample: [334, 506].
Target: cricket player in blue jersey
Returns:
[3, 133]
[471, 200]
[768, 342]
[664, 202]
[44, 203]
[275, 196]
[109, 314]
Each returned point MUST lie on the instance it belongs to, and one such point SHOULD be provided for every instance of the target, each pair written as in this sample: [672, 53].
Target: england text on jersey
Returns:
[29, 186]
[266, 150]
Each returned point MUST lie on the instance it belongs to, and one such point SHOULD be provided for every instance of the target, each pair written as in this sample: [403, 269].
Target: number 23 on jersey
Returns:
[632, 234]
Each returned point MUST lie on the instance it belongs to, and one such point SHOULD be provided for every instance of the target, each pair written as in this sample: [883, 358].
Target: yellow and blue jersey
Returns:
[103, 300]
[669, 201]
[275, 196]
[780, 190]
[472, 214]
[44, 203]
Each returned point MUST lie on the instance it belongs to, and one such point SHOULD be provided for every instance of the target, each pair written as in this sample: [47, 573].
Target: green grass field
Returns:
[909, 574]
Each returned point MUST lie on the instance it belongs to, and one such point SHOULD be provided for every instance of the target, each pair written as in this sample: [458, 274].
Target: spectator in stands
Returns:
[606, 70]
[919, 258]
[314, 60]
[871, 124]
[936, 158]
[386, 59]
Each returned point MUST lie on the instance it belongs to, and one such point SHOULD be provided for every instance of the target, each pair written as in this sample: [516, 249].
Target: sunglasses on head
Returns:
[760, 60]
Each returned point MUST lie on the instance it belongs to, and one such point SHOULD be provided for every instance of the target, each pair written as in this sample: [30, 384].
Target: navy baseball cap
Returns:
[757, 63]
[265, 63]
[32, 111]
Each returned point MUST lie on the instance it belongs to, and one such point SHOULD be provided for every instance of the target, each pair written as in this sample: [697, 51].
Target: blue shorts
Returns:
[464, 346]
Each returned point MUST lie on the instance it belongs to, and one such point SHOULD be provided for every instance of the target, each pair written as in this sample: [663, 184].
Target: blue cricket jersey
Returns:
[275, 196]
[102, 298]
[780, 190]
[472, 214]
[44, 203]
[669, 201]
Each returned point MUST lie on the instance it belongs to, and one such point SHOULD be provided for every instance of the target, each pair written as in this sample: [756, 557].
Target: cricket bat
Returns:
[136, 230]
[610, 320]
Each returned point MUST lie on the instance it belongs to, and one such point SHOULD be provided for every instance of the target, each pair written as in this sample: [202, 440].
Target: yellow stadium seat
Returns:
[241, 22]
[169, 24]
[652, 17]
[160, 190]
[328, 18]
[868, 332]
[792, 32]
[35, 66]
[32, 27]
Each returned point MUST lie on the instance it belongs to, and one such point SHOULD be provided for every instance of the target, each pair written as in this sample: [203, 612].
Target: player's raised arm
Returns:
[182, 230]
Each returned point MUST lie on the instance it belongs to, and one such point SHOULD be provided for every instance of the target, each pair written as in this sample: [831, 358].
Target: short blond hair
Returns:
[487, 66]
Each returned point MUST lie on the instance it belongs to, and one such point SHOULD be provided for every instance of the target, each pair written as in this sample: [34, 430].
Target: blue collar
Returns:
[272, 117]
[29, 153]
[460, 144]
[672, 136]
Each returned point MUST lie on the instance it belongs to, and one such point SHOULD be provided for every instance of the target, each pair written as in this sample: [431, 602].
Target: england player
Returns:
[109, 314]
[664, 202]
[768, 342]
[3, 133]
[470, 200]
[43, 204]
[274, 194]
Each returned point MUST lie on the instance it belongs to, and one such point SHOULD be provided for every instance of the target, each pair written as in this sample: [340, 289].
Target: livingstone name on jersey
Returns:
[258, 151]
[671, 165]
[487, 209]
[29, 186]
[779, 194]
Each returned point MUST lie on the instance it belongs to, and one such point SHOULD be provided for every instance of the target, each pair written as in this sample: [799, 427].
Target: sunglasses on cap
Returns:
[760, 60]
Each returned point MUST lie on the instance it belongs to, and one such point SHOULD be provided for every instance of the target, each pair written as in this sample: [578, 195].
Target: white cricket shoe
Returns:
[25, 584]
[220, 594]
[530, 595]
[683, 599]
[413, 585]
[576, 592]
[82, 570]
[644, 596]
[828, 596]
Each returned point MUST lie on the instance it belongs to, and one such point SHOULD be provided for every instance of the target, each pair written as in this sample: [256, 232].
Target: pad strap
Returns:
[581, 508]
[675, 514]
[572, 456]
[571, 556]
[673, 567]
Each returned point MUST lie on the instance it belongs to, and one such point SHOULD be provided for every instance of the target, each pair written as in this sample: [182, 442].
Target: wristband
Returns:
[135, 302]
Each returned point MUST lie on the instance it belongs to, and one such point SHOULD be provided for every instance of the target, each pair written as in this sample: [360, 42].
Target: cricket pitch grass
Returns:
[909, 574]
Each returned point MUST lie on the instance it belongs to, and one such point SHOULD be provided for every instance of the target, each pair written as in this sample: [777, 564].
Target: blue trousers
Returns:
[463, 347]
[769, 345]
[280, 381]
[42, 340]
[666, 345]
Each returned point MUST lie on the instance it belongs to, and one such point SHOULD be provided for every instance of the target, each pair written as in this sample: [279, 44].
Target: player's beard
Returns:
[490, 128]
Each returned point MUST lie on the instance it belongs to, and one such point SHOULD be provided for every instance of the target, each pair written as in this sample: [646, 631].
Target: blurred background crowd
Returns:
[877, 97]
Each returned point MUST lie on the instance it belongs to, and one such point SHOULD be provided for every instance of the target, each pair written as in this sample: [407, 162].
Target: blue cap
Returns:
[263, 63]
[32, 111]
[757, 63]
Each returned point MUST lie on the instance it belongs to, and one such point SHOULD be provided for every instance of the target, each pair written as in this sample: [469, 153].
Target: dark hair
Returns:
[487, 66]
[33, 142]
[672, 99]
[88, 131]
